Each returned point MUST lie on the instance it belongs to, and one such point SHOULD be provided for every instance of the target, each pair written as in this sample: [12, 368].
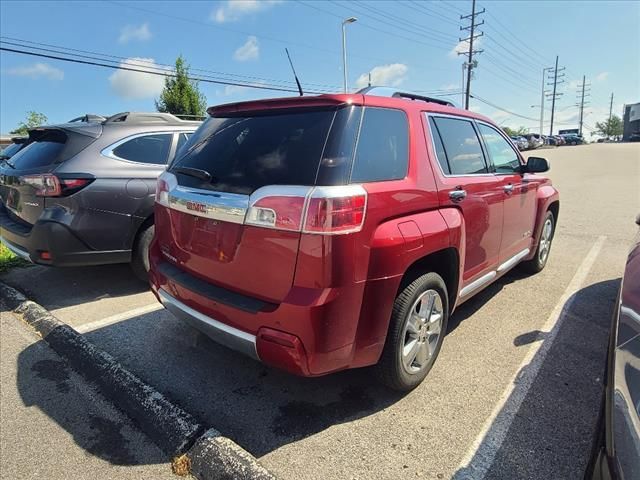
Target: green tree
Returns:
[181, 95]
[610, 127]
[34, 119]
[515, 133]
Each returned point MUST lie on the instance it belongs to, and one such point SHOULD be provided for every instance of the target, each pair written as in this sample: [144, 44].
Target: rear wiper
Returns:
[194, 172]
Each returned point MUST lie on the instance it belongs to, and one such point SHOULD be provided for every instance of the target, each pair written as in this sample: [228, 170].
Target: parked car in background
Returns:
[634, 137]
[616, 453]
[549, 140]
[560, 140]
[82, 193]
[271, 196]
[520, 142]
[534, 140]
[14, 147]
[573, 139]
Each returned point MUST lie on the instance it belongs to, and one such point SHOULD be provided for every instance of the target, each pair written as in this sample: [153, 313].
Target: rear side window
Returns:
[383, 146]
[461, 145]
[153, 149]
[244, 153]
[437, 142]
[45, 150]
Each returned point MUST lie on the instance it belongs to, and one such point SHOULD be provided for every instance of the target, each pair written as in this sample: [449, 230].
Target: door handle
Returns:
[457, 195]
[508, 189]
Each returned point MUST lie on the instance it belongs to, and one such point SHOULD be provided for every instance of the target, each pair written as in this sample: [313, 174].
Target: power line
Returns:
[425, 10]
[487, 102]
[92, 55]
[151, 72]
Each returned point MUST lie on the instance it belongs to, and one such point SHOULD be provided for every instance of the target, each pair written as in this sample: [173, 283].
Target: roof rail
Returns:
[392, 92]
[89, 117]
[138, 118]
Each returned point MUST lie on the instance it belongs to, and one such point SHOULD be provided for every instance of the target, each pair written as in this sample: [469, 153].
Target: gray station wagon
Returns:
[82, 193]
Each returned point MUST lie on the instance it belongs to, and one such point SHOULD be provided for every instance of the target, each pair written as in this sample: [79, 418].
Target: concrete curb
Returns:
[207, 456]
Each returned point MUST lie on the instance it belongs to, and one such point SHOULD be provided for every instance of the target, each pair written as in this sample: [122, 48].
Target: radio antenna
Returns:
[294, 72]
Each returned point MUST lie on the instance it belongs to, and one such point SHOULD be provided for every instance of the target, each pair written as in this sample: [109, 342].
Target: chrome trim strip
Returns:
[16, 251]
[219, 332]
[226, 207]
[476, 284]
[513, 260]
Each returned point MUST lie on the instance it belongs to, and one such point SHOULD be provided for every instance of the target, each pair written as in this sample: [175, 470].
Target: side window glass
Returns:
[152, 149]
[383, 147]
[441, 155]
[461, 145]
[504, 158]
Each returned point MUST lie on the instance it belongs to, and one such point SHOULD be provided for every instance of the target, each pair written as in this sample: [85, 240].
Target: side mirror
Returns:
[537, 165]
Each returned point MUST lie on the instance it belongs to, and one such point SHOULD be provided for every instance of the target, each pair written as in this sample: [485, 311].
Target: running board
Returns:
[486, 278]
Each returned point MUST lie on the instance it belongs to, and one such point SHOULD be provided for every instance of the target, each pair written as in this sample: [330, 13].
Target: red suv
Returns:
[322, 233]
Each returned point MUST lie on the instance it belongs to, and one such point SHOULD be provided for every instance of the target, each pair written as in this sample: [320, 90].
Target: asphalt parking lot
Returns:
[514, 394]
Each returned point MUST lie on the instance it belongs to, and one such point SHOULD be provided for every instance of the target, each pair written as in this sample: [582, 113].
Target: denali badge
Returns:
[197, 207]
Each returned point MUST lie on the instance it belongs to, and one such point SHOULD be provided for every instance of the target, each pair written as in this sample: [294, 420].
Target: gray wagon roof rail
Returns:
[146, 118]
[392, 92]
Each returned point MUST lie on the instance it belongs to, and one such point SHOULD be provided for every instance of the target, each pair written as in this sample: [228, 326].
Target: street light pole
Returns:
[344, 50]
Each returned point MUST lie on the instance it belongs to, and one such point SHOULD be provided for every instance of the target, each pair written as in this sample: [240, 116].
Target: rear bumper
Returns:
[222, 333]
[312, 332]
[64, 247]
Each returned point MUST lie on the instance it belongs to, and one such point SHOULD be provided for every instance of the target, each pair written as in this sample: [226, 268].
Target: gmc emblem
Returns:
[197, 207]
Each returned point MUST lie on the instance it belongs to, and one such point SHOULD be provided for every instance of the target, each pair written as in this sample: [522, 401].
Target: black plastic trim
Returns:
[213, 292]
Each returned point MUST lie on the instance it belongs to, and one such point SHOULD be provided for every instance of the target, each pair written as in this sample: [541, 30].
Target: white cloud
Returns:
[449, 87]
[132, 32]
[233, 10]
[37, 70]
[249, 51]
[233, 89]
[131, 85]
[384, 75]
[463, 47]
[601, 77]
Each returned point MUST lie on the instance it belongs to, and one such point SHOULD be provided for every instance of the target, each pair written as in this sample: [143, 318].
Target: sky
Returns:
[411, 45]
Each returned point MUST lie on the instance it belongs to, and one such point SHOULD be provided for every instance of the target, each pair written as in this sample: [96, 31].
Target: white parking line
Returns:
[87, 327]
[480, 456]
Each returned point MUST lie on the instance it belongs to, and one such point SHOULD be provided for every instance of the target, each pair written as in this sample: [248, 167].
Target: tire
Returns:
[408, 324]
[140, 257]
[538, 262]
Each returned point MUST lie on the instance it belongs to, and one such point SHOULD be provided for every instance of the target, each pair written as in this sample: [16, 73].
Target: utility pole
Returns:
[555, 95]
[471, 64]
[610, 114]
[585, 92]
[544, 73]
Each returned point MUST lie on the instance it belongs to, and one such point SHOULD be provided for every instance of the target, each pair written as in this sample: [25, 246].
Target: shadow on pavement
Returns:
[45, 381]
[475, 303]
[553, 427]
[55, 288]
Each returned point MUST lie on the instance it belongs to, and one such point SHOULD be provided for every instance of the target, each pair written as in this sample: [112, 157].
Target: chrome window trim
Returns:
[456, 117]
[509, 142]
[108, 151]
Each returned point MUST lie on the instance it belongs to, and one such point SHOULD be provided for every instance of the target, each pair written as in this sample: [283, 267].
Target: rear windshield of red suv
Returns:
[297, 147]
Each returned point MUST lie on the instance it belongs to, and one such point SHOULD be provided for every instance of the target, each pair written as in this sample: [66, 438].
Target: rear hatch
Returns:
[27, 178]
[231, 207]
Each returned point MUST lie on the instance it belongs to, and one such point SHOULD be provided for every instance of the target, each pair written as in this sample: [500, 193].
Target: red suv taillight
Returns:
[320, 210]
[333, 210]
[49, 185]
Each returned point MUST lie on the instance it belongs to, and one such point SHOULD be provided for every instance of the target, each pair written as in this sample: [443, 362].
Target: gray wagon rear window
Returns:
[44, 151]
